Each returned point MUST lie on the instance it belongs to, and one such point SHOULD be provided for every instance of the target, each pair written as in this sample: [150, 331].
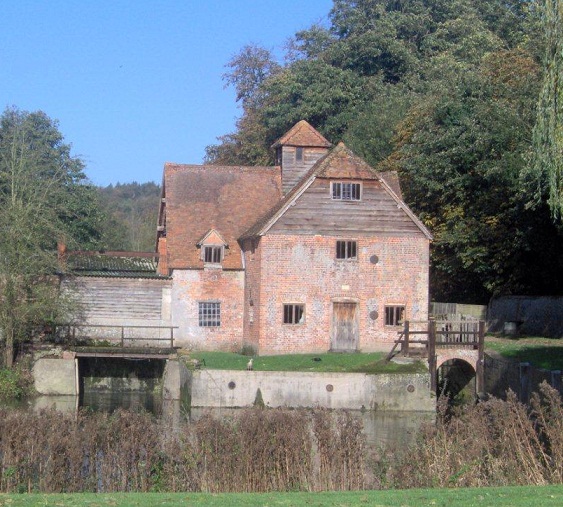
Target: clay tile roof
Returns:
[392, 179]
[302, 134]
[227, 199]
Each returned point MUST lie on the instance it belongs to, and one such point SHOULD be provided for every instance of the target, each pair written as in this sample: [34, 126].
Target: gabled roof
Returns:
[212, 237]
[302, 134]
[226, 199]
[340, 163]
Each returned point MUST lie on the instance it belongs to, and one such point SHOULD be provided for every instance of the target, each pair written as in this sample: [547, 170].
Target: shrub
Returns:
[15, 383]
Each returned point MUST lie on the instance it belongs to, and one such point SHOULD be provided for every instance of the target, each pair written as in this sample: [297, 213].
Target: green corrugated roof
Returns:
[112, 266]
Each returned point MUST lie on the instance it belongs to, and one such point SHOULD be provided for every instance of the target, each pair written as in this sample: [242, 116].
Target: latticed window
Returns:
[293, 314]
[209, 314]
[346, 191]
[394, 315]
[346, 250]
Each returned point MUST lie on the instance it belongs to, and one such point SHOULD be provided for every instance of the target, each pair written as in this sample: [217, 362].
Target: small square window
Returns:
[293, 314]
[212, 254]
[394, 315]
[346, 191]
[346, 250]
[209, 314]
[299, 154]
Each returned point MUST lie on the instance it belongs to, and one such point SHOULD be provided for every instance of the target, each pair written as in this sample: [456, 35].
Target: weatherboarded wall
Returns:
[115, 302]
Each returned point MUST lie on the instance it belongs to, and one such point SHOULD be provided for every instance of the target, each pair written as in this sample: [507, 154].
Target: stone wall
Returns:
[521, 378]
[534, 316]
[354, 391]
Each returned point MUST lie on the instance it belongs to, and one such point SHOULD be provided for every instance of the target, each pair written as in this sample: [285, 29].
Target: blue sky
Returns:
[137, 83]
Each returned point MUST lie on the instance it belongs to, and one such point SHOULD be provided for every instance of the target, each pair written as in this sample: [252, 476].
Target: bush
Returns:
[493, 443]
[12, 386]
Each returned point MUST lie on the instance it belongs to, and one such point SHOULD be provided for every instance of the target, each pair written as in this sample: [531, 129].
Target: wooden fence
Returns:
[428, 336]
[124, 336]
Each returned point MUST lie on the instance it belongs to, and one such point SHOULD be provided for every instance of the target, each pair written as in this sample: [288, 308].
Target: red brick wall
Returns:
[303, 269]
[252, 301]
[189, 287]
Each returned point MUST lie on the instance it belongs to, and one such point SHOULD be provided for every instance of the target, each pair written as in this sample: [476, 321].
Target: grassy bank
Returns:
[526, 496]
[546, 353]
[329, 362]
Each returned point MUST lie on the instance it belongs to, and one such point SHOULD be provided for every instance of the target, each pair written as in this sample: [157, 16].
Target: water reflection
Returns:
[109, 401]
[381, 428]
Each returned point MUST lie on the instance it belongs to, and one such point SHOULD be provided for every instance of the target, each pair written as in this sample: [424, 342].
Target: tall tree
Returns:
[42, 199]
[547, 140]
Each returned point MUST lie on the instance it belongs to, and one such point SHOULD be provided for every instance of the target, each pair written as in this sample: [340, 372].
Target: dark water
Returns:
[109, 401]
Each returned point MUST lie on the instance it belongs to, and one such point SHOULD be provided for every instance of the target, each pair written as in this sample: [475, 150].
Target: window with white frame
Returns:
[209, 314]
[293, 313]
[347, 250]
[346, 191]
[394, 315]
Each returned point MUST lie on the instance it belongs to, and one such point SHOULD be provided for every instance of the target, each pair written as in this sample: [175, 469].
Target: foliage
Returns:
[252, 451]
[493, 443]
[547, 143]
[445, 92]
[130, 216]
[43, 198]
[250, 68]
[10, 385]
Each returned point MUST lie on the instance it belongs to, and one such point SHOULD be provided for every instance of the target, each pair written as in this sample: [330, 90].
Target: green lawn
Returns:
[329, 362]
[544, 353]
[544, 496]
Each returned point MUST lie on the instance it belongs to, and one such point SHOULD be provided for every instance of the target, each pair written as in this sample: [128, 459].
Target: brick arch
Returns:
[471, 357]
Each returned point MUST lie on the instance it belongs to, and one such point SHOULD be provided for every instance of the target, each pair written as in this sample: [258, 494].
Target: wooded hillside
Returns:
[130, 211]
[443, 91]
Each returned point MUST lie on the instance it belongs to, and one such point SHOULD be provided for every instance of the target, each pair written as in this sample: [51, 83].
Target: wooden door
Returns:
[344, 327]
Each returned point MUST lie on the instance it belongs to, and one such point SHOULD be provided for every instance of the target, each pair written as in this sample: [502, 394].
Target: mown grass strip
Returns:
[520, 496]
[328, 362]
[546, 353]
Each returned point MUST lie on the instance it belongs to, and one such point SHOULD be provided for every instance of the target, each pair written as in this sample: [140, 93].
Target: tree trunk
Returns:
[9, 348]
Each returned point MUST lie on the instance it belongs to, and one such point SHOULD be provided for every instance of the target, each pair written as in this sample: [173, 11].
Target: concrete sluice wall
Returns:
[354, 391]
[236, 389]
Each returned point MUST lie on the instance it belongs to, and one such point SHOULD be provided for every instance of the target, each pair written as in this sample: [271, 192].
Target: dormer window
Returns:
[212, 254]
[212, 248]
[346, 191]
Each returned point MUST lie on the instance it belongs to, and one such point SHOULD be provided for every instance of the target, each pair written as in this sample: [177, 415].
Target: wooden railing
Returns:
[441, 334]
[124, 335]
